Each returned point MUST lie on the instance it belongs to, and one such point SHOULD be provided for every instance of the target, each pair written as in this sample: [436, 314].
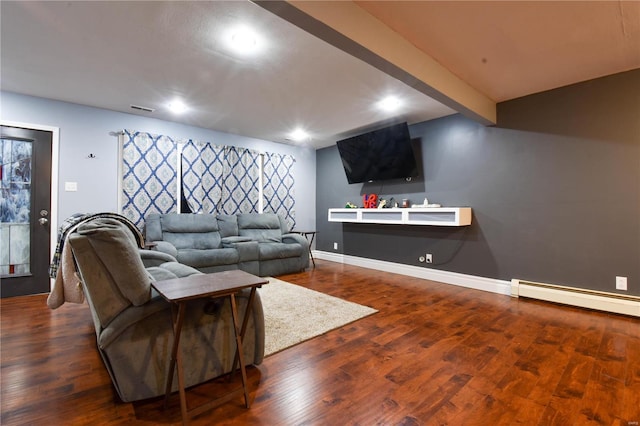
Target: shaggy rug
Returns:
[293, 314]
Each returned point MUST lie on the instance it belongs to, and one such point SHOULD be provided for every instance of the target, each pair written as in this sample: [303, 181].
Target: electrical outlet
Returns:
[621, 283]
[429, 258]
[335, 246]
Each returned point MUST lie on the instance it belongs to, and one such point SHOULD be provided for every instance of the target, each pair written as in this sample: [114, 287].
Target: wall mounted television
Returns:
[383, 154]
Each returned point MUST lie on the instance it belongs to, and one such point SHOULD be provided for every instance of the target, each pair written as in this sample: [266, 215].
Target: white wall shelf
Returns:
[440, 216]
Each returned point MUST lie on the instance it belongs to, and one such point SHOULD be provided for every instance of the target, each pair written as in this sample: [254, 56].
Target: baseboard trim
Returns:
[591, 299]
[469, 281]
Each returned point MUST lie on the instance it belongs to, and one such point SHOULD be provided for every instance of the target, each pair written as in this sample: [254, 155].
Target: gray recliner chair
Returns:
[279, 251]
[133, 323]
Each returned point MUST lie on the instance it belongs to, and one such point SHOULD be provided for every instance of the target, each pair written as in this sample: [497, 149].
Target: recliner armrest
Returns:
[130, 316]
[166, 247]
[247, 248]
[155, 258]
[295, 238]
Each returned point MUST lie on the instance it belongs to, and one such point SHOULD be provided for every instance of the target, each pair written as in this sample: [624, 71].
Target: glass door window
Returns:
[15, 207]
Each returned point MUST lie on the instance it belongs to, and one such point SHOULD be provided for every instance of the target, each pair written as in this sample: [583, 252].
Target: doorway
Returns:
[25, 216]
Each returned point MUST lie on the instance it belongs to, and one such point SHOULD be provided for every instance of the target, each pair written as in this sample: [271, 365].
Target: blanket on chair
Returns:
[67, 286]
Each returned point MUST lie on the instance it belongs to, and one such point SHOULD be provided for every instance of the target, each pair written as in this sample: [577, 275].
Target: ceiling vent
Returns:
[141, 108]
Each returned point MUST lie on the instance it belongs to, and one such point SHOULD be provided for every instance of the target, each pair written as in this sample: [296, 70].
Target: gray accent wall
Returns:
[554, 187]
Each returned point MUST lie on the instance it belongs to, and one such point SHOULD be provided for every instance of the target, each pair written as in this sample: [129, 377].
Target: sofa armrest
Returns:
[130, 316]
[230, 242]
[155, 258]
[247, 248]
[166, 247]
[295, 238]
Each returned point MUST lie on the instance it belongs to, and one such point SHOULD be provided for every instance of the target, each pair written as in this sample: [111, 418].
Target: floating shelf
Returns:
[440, 216]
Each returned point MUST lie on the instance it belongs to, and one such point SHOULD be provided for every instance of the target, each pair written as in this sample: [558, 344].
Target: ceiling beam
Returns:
[351, 29]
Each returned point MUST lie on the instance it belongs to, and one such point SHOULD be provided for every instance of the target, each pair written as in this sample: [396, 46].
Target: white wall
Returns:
[86, 130]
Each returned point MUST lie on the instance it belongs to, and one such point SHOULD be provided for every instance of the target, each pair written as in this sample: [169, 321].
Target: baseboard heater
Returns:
[591, 299]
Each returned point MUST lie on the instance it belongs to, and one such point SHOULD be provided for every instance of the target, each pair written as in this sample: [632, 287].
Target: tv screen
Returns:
[379, 155]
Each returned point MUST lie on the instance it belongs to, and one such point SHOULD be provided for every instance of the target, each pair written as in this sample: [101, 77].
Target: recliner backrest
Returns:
[110, 267]
[185, 231]
[264, 227]
[228, 224]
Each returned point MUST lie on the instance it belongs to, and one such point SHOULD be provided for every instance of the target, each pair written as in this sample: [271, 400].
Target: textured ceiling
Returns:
[115, 54]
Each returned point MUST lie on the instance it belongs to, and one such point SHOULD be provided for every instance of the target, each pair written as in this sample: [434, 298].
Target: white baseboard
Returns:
[470, 281]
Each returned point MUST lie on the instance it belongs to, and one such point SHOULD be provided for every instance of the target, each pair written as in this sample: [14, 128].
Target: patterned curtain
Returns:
[215, 179]
[278, 190]
[240, 191]
[202, 174]
[149, 175]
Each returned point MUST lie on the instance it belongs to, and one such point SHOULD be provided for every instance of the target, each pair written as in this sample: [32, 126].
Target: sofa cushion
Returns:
[270, 251]
[205, 258]
[228, 224]
[199, 231]
[264, 228]
[160, 274]
[189, 223]
[170, 270]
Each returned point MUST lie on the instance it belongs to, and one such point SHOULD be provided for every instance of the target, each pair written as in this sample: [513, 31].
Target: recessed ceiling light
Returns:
[177, 107]
[243, 40]
[390, 103]
[299, 135]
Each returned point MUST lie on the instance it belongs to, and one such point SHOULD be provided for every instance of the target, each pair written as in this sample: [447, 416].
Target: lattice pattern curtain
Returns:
[202, 175]
[149, 175]
[278, 189]
[240, 190]
[215, 179]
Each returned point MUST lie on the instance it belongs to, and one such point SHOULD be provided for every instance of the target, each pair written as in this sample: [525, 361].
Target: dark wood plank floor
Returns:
[435, 354]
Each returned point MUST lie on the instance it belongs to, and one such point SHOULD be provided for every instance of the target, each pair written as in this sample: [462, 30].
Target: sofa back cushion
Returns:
[263, 228]
[188, 231]
[228, 224]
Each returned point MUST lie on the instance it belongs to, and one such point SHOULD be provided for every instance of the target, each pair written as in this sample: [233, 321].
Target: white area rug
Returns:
[293, 314]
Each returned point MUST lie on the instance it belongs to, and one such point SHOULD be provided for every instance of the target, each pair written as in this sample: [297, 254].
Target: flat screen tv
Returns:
[379, 155]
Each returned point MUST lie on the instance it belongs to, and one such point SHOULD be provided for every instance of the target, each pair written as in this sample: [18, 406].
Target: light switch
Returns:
[71, 186]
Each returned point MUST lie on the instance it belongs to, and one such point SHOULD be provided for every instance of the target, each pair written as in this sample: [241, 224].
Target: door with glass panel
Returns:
[25, 200]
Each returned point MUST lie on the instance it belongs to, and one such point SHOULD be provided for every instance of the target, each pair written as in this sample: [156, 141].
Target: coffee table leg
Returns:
[239, 351]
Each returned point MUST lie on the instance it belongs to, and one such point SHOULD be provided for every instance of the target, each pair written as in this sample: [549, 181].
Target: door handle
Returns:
[43, 217]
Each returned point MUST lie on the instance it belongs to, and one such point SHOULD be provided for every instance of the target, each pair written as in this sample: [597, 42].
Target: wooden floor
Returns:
[435, 354]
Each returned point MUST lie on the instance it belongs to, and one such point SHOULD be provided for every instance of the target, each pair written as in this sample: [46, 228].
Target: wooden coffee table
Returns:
[220, 284]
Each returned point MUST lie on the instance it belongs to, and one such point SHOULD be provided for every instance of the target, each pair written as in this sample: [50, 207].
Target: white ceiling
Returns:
[115, 54]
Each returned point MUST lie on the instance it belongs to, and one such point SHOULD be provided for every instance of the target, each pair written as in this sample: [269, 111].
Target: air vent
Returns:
[141, 108]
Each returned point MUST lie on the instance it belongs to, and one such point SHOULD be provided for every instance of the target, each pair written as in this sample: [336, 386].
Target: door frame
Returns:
[55, 159]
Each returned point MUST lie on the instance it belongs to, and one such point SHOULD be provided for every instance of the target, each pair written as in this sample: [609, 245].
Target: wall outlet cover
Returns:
[621, 283]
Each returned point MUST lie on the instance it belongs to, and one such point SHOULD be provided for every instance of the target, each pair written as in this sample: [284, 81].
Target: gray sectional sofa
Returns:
[260, 244]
